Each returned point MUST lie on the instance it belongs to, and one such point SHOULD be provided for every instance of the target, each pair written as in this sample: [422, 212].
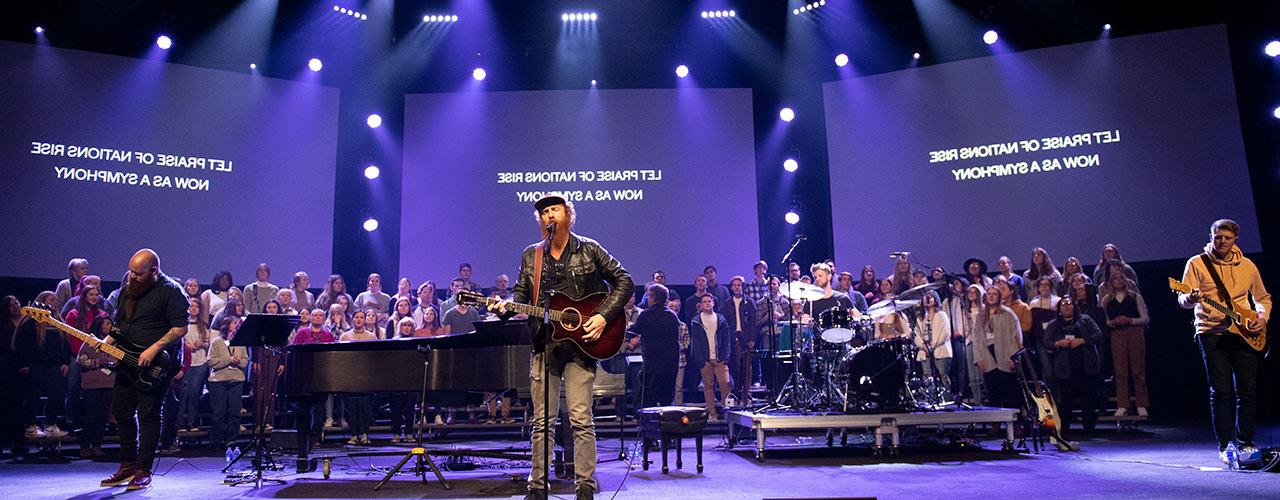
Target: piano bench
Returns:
[666, 424]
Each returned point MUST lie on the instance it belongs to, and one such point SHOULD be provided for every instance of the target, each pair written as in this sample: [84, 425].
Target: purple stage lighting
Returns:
[371, 224]
[1106, 27]
[374, 120]
[1272, 49]
[337, 9]
[164, 42]
[1276, 112]
[315, 64]
[790, 164]
[842, 60]
[787, 114]
[253, 66]
[478, 74]
[372, 172]
[792, 217]
[915, 55]
[39, 29]
[990, 37]
[682, 71]
[593, 83]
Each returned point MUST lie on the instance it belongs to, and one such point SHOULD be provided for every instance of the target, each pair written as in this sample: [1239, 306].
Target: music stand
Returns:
[265, 332]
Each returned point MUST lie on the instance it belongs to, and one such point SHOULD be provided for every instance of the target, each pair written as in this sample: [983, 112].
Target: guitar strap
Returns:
[537, 274]
[1223, 294]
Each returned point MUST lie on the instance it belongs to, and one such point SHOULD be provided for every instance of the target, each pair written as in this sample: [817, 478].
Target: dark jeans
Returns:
[138, 417]
[960, 370]
[402, 412]
[1002, 389]
[224, 397]
[192, 389]
[1081, 391]
[1234, 405]
[72, 408]
[172, 408]
[47, 381]
[96, 403]
[359, 414]
[11, 419]
[659, 381]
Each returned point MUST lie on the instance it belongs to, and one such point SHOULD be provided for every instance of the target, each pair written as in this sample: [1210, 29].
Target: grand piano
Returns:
[494, 357]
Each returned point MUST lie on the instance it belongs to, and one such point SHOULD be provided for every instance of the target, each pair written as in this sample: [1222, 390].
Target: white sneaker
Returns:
[1222, 455]
[328, 422]
[54, 432]
[1142, 411]
[34, 432]
[1120, 412]
[354, 440]
[439, 420]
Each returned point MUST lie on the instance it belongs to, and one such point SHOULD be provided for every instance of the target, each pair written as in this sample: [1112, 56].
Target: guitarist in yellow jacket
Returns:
[1223, 278]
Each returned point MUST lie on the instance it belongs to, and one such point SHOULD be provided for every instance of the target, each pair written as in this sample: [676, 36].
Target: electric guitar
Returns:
[567, 316]
[1045, 407]
[1239, 317]
[145, 378]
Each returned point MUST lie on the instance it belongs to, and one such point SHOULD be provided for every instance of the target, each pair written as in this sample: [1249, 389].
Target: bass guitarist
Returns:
[575, 266]
[1223, 273]
[152, 313]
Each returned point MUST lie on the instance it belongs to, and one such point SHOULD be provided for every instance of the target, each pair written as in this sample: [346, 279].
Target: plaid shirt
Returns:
[756, 290]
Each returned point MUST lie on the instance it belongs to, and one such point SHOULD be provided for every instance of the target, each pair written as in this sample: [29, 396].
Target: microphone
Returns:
[551, 228]
[899, 254]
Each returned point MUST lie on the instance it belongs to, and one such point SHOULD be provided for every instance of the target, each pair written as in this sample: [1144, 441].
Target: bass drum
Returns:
[874, 376]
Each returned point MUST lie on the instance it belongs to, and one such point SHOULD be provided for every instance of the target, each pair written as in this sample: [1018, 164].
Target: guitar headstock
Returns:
[1179, 286]
[470, 298]
[38, 312]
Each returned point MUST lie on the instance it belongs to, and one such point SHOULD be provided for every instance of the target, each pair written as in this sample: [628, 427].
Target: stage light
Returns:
[733, 13]
[704, 14]
[374, 120]
[39, 29]
[792, 217]
[478, 74]
[787, 114]
[336, 8]
[453, 18]
[164, 42]
[1106, 27]
[593, 83]
[364, 17]
[915, 55]
[682, 71]
[1273, 48]
[790, 164]
[579, 16]
[842, 60]
[990, 37]
[315, 64]
[371, 224]
[343, 10]
[372, 172]
[1276, 112]
[795, 12]
[594, 16]
[564, 17]
[253, 66]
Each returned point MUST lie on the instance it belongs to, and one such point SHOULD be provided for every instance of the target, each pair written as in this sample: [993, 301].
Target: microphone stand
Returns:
[546, 382]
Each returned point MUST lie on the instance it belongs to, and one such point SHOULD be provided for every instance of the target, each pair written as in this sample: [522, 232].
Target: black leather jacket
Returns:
[589, 268]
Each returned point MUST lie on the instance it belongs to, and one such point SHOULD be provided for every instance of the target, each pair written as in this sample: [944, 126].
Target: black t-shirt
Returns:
[160, 309]
[837, 298]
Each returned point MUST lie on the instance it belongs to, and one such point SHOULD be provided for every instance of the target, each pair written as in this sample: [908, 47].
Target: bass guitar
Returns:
[1239, 317]
[145, 378]
[567, 316]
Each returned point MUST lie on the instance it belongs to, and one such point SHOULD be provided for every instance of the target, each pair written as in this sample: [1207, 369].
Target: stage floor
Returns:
[1163, 462]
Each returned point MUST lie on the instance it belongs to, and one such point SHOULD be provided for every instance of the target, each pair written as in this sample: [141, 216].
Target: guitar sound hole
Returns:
[570, 319]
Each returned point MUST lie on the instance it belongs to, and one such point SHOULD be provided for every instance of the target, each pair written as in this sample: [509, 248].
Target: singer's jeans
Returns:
[579, 373]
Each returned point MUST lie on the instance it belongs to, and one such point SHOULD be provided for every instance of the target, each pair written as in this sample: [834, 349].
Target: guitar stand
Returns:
[418, 451]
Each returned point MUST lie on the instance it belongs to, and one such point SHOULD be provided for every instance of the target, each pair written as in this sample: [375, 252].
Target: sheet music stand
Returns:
[265, 332]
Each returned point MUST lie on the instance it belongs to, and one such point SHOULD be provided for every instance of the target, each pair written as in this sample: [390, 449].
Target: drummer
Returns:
[856, 304]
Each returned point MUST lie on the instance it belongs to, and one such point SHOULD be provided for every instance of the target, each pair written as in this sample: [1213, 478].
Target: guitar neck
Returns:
[527, 309]
[109, 349]
[1233, 315]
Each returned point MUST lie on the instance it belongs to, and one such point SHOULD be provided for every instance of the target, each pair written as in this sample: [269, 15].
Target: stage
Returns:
[1162, 462]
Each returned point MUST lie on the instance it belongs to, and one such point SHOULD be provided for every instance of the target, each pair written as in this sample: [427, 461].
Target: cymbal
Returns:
[918, 292]
[887, 307]
[800, 291]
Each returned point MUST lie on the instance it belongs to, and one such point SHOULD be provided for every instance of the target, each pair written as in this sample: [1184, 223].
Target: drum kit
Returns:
[838, 365]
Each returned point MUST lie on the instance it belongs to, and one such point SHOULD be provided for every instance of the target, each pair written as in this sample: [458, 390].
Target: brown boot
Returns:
[141, 479]
[123, 474]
